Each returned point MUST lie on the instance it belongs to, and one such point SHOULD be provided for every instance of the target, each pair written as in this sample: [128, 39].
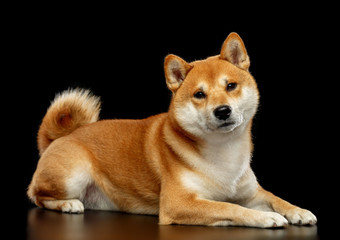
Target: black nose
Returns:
[222, 112]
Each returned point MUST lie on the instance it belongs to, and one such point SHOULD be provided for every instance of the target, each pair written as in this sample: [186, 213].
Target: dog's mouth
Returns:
[226, 124]
[224, 127]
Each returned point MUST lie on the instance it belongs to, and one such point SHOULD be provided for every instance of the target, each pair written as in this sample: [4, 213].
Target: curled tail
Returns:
[68, 111]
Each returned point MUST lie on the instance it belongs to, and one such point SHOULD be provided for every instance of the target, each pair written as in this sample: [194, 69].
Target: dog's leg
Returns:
[186, 208]
[265, 200]
[61, 179]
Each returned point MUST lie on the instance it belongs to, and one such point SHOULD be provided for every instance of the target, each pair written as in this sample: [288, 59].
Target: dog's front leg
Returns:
[180, 207]
[265, 200]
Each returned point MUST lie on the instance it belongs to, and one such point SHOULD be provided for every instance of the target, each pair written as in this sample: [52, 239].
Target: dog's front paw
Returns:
[272, 220]
[300, 216]
[265, 220]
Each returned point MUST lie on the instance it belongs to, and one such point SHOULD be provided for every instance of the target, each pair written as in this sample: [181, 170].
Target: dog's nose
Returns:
[222, 112]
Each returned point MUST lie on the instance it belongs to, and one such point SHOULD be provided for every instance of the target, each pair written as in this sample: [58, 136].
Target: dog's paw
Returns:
[67, 206]
[300, 216]
[72, 206]
[272, 220]
[265, 220]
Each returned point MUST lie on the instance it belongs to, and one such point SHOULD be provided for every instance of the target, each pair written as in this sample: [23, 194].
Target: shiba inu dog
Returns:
[190, 165]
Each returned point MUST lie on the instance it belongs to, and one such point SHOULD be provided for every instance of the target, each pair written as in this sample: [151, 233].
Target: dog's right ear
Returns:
[175, 69]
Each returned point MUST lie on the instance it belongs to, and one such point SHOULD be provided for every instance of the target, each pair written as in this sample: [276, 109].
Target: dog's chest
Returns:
[217, 172]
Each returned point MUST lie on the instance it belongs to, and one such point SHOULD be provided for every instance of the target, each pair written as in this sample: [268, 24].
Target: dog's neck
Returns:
[214, 155]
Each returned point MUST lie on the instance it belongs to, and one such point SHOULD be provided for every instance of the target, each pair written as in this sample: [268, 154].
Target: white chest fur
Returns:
[217, 172]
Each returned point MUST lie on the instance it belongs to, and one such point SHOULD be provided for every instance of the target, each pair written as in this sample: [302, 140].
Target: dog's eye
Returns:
[231, 86]
[199, 94]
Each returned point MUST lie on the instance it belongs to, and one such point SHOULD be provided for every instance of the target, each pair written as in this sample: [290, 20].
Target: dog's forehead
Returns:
[214, 70]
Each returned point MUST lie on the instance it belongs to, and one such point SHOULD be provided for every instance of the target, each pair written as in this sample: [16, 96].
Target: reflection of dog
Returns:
[190, 165]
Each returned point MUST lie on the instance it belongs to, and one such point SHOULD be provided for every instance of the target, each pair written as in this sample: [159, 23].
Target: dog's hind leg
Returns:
[62, 178]
[65, 195]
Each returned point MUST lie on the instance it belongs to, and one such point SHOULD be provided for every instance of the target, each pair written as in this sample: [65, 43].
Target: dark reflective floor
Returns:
[43, 224]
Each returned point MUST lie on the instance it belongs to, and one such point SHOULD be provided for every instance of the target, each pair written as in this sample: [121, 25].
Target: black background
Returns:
[118, 54]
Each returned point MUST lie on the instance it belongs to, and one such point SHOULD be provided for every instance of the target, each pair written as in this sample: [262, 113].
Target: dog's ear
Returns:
[175, 69]
[234, 51]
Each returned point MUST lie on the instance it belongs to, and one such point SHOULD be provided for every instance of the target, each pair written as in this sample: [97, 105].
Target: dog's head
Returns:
[215, 95]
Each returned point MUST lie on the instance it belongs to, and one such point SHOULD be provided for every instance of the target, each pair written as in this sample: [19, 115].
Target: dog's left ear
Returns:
[175, 69]
[234, 51]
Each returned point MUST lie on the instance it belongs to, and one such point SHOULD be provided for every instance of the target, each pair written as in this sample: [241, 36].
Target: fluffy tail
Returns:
[68, 111]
